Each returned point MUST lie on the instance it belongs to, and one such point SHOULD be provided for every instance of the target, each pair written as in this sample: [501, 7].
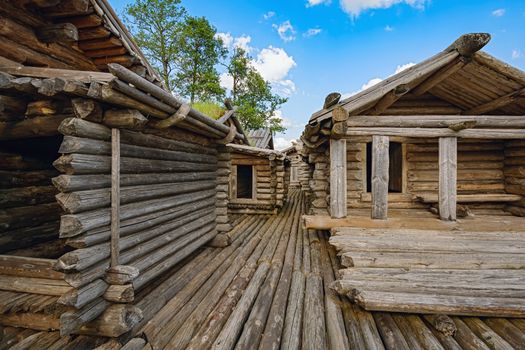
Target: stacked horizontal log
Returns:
[278, 175]
[28, 212]
[30, 291]
[223, 190]
[514, 171]
[319, 184]
[269, 191]
[168, 197]
[420, 271]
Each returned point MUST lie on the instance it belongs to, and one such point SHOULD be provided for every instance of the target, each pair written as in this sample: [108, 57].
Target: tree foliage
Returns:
[199, 53]
[253, 95]
[156, 27]
[186, 52]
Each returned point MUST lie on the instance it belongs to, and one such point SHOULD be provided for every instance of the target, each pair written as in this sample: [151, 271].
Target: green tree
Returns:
[155, 25]
[253, 95]
[199, 53]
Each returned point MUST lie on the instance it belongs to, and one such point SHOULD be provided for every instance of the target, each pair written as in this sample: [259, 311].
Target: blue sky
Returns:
[309, 48]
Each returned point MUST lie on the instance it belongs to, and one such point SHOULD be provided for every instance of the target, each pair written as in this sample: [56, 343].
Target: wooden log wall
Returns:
[514, 171]
[480, 171]
[223, 193]
[168, 198]
[302, 171]
[269, 184]
[29, 214]
[319, 180]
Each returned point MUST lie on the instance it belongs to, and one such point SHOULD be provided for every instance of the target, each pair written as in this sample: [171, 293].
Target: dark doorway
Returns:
[244, 181]
[395, 169]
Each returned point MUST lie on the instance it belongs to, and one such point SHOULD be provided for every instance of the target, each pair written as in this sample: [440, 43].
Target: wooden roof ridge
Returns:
[466, 46]
[254, 150]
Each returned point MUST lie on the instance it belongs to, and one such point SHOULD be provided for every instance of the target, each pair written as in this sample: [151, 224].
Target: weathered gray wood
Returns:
[115, 196]
[380, 164]
[87, 109]
[447, 178]
[488, 134]
[56, 33]
[435, 121]
[125, 119]
[338, 184]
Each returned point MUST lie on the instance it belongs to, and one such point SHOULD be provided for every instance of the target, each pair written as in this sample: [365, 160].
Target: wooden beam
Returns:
[448, 155]
[179, 116]
[115, 196]
[497, 103]
[389, 99]
[439, 76]
[56, 33]
[338, 185]
[488, 134]
[125, 119]
[380, 164]
[436, 121]
[468, 44]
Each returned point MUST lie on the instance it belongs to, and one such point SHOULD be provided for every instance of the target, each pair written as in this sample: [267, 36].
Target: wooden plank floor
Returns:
[271, 290]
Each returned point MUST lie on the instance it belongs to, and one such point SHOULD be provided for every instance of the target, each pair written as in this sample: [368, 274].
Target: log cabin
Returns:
[421, 175]
[297, 171]
[108, 181]
[111, 199]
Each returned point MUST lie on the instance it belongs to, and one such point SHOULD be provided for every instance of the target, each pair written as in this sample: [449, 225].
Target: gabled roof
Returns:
[102, 37]
[460, 80]
[261, 138]
[461, 75]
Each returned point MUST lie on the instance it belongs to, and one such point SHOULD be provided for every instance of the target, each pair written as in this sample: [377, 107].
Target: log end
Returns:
[331, 100]
[468, 44]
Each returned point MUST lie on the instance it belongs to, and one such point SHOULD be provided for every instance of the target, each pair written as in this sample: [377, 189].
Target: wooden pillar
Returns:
[448, 155]
[115, 196]
[338, 191]
[380, 163]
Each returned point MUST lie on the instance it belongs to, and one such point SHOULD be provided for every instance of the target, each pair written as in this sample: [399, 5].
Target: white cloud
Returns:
[230, 42]
[389, 29]
[311, 3]
[402, 67]
[284, 87]
[227, 38]
[355, 7]
[273, 64]
[516, 54]
[281, 143]
[375, 81]
[365, 86]
[226, 81]
[268, 15]
[312, 32]
[498, 12]
[286, 31]
[243, 42]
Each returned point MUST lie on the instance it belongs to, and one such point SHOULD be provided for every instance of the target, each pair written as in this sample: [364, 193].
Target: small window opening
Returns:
[244, 181]
[395, 169]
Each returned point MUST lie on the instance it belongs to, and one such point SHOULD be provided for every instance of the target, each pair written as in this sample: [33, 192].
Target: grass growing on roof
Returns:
[211, 109]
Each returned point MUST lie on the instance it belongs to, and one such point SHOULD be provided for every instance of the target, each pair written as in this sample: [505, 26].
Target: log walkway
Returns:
[270, 289]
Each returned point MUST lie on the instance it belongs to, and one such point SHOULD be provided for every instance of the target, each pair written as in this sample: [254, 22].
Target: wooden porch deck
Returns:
[270, 289]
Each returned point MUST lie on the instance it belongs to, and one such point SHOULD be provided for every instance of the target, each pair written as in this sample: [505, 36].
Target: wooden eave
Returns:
[477, 79]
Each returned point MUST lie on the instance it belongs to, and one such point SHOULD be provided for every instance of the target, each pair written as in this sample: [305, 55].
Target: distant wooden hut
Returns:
[134, 188]
[297, 171]
[421, 180]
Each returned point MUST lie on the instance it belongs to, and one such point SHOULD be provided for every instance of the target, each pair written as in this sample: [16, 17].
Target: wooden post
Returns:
[380, 163]
[338, 191]
[447, 177]
[115, 196]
